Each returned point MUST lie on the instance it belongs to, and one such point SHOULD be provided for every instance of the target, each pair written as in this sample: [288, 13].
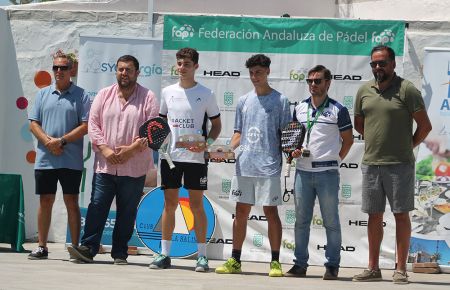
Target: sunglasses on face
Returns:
[315, 81]
[60, 67]
[381, 63]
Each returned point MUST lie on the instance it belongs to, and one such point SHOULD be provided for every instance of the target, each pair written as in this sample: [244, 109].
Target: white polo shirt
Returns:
[187, 112]
[325, 139]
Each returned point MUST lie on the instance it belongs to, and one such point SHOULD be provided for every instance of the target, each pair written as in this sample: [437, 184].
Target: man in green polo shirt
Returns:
[385, 109]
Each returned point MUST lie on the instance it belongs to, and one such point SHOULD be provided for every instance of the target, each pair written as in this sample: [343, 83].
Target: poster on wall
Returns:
[430, 241]
[294, 46]
[96, 70]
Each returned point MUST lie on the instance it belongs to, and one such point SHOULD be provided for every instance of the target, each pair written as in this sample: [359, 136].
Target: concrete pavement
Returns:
[17, 272]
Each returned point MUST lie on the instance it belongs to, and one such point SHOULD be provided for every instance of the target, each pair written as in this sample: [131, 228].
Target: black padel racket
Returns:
[292, 137]
[157, 133]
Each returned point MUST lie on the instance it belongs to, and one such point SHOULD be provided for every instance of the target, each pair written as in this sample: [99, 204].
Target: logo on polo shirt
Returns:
[253, 135]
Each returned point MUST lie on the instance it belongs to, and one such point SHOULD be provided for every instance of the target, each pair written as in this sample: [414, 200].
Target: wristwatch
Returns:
[63, 141]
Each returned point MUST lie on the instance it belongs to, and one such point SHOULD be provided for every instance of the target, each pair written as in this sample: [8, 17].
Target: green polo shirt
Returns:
[388, 121]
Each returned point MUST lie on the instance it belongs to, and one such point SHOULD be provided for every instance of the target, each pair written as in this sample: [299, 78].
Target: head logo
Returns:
[182, 33]
[289, 218]
[346, 190]
[226, 185]
[228, 98]
[258, 240]
[149, 219]
[384, 38]
[348, 102]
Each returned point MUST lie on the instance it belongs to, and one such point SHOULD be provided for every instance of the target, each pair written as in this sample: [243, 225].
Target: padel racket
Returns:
[292, 137]
[157, 133]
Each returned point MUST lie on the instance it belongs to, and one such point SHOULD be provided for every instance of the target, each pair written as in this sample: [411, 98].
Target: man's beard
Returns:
[126, 84]
[381, 76]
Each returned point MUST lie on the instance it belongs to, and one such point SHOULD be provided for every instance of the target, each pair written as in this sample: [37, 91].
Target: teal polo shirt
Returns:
[59, 113]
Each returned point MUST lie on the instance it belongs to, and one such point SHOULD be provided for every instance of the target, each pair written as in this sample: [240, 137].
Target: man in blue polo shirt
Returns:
[328, 140]
[59, 122]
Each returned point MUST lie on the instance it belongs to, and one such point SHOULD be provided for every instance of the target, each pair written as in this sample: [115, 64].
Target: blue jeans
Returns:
[324, 185]
[127, 191]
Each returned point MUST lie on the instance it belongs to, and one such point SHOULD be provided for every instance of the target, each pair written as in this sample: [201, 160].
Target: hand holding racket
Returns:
[292, 137]
[157, 133]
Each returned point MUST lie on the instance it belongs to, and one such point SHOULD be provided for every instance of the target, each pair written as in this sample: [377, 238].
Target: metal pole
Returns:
[151, 29]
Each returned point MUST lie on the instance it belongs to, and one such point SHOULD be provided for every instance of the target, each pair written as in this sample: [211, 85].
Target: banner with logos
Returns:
[294, 46]
[96, 70]
[430, 241]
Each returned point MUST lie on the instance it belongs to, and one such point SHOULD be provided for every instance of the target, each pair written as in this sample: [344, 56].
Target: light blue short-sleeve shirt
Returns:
[59, 113]
[260, 120]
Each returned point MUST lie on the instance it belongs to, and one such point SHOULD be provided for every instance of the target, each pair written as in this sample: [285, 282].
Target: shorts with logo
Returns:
[394, 182]
[47, 180]
[194, 175]
[260, 191]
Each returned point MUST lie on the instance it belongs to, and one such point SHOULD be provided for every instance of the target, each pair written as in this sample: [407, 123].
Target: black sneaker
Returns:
[296, 271]
[331, 273]
[82, 253]
[40, 253]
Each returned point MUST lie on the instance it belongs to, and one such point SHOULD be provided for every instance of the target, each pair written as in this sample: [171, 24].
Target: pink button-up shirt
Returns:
[114, 124]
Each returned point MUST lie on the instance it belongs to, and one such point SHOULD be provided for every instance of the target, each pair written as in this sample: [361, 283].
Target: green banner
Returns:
[282, 35]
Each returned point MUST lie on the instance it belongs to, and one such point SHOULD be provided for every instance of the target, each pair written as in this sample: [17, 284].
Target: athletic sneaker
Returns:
[275, 269]
[368, 276]
[120, 261]
[160, 262]
[81, 253]
[202, 264]
[39, 254]
[231, 266]
[400, 277]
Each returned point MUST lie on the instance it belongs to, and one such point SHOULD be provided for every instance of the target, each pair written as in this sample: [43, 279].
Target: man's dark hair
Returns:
[128, 58]
[189, 53]
[321, 68]
[258, 59]
[390, 51]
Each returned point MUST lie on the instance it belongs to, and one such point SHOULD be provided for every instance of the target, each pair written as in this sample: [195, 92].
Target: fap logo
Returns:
[183, 33]
[258, 240]
[348, 102]
[289, 218]
[384, 38]
[226, 185]
[228, 98]
[298, 74]
[149, 219]
[346, 190]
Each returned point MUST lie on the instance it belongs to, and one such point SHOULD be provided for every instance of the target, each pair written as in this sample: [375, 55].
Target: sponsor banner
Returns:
[149, 223]
[96, 70]
[294, 46]
[107, 231]
[430, 240]
[281, 35]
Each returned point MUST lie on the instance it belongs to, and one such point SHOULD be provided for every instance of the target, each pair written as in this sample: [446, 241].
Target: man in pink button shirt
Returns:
[121, 160]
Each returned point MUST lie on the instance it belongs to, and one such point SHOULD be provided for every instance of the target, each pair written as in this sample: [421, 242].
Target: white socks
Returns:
[165, 247]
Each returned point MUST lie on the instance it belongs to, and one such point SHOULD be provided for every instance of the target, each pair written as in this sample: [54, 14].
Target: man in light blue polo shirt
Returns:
[59, 122]
[328, 140]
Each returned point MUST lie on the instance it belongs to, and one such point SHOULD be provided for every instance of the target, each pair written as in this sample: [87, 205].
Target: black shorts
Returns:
[47, 180]
[195, 175]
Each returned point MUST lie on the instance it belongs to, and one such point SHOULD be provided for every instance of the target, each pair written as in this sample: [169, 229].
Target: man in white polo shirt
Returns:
[328, 140]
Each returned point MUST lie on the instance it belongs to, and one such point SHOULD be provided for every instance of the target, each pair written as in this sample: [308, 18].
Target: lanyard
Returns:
[310, 124]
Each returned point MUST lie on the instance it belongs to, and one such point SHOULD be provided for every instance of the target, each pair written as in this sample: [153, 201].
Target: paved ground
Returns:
[17, 272]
